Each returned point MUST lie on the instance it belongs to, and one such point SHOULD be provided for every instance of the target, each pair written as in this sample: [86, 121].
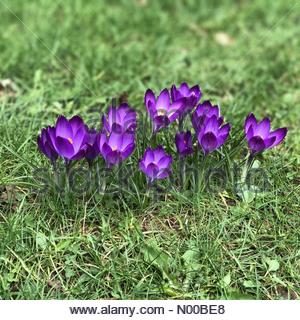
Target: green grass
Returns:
[71, 57]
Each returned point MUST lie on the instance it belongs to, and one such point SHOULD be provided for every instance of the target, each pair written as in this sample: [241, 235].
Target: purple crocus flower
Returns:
[184, 143]
[156, 163]
[259, 136]
[205, 110]
[212, 135]
[45, 144]
[115, 147]
[161, 110]
[192, 95]
[120, 120]
[92, 150]
[69, 138]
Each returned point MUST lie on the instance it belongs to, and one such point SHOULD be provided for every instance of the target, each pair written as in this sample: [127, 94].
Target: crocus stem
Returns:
[250, 160]
[149, 185]
[195, 164]
[68, 167]
[101, 179]
[180, 123]
[90, 163]
[56, 181]
[249, 164]
[98, 175]
[202, 170]
[182, 171]
[120, 175]
[153, 138]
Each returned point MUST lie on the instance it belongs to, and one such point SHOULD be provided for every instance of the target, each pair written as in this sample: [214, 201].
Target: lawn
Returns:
[72, 57]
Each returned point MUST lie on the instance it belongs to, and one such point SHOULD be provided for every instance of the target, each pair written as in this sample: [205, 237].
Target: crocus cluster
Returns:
[71, 139]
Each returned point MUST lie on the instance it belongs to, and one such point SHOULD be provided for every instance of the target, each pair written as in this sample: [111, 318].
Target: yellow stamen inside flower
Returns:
[70, 140]
[161, 112]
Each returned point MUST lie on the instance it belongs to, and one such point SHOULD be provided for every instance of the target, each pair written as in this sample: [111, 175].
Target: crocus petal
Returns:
[51, 134]
[149, 97]
[279, 135]
[197, 122]
[250, 121]
[64, 148]
[80, 154]
[105, 150]
[223, 134]
[79, 139]
[175, 94]
[128, 151]
[41, 144]
[45, 145]
[142, 166]
[188, 136]
[76, 123]
[100, 140]
[207, 109]
[159, 152]
[130, 116]
[152, 170]
[116, 128]
[179, 140]
[184, 89]
[63, 128]
[113, 116]
[221, 140]
[212, 125]
[115, 141]
[176, 109]
[164, 173]
[105, 123]
[113, 157]
[263, 128]
[163, 101]
[152, 110]
[224, 131]
[256, 144]
[204, 107]
[123, 110]
[91, 151]
[196, 91]
[165, 161]
[250, 133]
[148, 156]
[269, 141]
[129, 121]
[220, 121]
[209, 142]
[160, 122]
[184, 143]
[127, 139]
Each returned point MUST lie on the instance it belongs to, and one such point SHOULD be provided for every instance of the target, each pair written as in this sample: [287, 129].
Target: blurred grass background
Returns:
[71, 57]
